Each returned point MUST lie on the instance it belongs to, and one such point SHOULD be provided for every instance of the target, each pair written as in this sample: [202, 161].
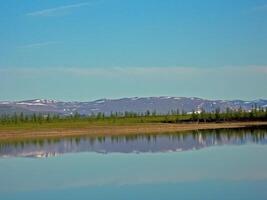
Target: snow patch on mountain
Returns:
[5, 102]
[134, 98]
[30, 104]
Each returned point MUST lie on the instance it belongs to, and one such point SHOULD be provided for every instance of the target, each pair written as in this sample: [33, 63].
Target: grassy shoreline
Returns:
[87, 129]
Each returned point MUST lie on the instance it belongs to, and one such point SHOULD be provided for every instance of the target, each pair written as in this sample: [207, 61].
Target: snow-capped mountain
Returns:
[136, 104]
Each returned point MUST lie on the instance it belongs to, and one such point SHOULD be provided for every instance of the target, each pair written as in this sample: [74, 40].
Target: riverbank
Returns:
[13, 133]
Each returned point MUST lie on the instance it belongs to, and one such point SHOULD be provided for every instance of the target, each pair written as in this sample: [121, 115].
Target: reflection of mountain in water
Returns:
[136, 143]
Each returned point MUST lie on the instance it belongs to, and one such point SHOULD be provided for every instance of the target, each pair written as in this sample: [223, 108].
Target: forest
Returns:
[255, 114]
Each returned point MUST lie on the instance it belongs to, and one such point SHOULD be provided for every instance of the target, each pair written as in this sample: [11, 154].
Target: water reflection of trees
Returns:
[193, 139]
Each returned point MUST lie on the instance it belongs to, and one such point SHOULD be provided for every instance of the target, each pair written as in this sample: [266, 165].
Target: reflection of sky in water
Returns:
[243, 164]
[137, 143]
[218, 172]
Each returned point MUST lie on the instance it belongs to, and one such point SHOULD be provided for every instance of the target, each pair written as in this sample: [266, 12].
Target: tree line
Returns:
[148, 116]
[256, 114]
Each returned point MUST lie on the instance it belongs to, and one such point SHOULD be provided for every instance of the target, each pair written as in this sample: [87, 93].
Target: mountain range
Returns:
[162, 105]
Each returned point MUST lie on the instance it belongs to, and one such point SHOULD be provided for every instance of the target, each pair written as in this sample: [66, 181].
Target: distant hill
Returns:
[161, 105]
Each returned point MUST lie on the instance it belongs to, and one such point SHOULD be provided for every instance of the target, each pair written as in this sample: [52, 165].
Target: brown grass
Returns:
[109, 130]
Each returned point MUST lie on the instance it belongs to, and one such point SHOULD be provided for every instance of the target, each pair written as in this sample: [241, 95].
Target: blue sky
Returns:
[84, 50]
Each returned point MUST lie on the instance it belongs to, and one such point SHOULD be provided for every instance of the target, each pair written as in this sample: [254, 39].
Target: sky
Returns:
[80, 50]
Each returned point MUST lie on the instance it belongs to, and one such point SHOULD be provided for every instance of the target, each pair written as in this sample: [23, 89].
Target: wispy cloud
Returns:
[129, 71]
[230, 82]
[176, 71]
[180, 72]
[261, 69]
[37, 45]
[260, 8]
[56, 11]
[108, 72]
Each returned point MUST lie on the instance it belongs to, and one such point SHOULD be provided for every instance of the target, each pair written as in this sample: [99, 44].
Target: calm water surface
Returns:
[225, 164]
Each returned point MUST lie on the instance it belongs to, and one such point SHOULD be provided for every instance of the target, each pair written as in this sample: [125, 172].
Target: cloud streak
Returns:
[261, 8]
[140, 72]
[37, 45]
[135, 71]
[61, 10]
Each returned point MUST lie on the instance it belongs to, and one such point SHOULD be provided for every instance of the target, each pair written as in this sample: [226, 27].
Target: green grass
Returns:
[85, 122]
[41, 122]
